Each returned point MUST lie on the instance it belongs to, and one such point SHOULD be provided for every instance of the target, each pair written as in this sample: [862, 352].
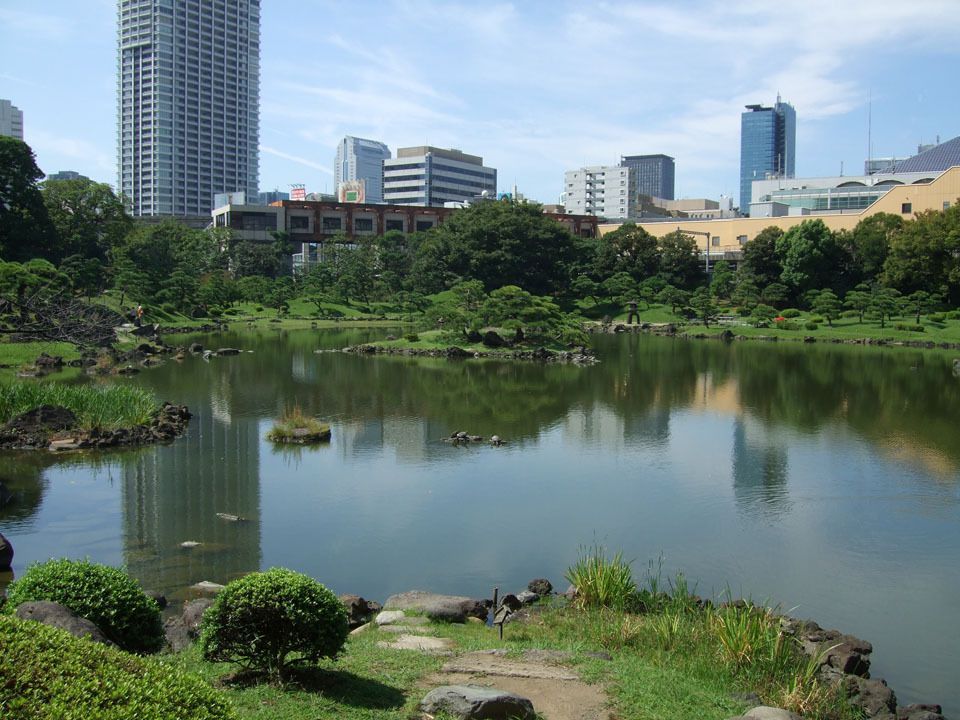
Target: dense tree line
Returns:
[494, 253]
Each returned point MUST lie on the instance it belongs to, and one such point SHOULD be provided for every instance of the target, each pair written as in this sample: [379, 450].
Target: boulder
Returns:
[358, 610]
[196, 348]
[388, 617]
[492, 339]
[920, 711]
[6, 553]
[765, 712]
[511, 602]
[472, 701]
[446, 608]
[182, 630]
[457, 352]
[59, 616]
[526, 597]
[872, 696]
[158, 597]
[48, 362]
[846, 653]
[227, 351]
[44, 418]
[540, 586]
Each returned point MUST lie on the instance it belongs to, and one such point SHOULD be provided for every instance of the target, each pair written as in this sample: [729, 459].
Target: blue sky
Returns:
[533, 87]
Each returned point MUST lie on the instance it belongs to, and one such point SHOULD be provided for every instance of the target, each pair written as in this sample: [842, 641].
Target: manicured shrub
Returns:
[50, 675]
[811, 326]
[908, 327]
[602, 581]
[259, 621]
[937, 317]
[790, 313]
[411, 337]
[106, 596]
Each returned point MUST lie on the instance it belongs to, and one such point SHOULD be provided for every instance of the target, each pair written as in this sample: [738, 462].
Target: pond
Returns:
[820, 478]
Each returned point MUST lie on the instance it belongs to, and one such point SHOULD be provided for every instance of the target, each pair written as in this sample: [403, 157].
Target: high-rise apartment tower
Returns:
[188, 99]
[768, 145]
[11, 119]
[654, 174]
[361, 159]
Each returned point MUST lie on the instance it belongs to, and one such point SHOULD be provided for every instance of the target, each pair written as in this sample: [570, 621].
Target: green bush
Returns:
[50, 675]
[788, 325]
[411, 337]
[790, 313]
[106, 596]
[816, 319]
[937, 317]
[811, 326]
[169, 308]
[953, 315]
[908, 327]
[602, 582]
[260, 620]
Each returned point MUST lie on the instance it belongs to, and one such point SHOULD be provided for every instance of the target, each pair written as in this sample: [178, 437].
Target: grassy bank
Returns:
[679, 661]
[96, 406]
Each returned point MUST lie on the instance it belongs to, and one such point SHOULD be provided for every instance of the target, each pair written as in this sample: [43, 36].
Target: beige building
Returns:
[727, 236]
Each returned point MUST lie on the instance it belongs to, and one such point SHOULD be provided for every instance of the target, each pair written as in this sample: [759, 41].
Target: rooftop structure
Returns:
[768, 138]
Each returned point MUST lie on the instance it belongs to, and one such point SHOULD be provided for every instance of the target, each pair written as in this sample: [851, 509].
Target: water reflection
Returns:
[759, 470]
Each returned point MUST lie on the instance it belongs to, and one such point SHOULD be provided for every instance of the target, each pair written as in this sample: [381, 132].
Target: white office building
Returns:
[425, 175]
[11, 119]
[361, 159]
[608, 191]
[188, 99]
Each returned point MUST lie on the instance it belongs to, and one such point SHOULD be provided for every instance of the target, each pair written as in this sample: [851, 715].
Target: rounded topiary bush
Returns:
[106, 596]
[50, 675]
[270, 620]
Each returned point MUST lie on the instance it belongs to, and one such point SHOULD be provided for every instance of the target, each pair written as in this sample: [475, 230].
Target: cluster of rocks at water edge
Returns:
[577, 356]
[56, 428]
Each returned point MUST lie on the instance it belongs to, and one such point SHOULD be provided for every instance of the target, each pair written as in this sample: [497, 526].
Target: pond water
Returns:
[823, 479]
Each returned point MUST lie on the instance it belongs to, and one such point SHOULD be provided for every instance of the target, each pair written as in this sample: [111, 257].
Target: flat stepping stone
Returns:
[389, 617]
[473, 701]
[410, 630]
[445, 608]
[486, 663]
[421, 643]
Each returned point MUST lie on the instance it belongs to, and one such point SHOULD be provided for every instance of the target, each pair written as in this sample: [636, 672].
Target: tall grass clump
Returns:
[106, 407]
[602, 581]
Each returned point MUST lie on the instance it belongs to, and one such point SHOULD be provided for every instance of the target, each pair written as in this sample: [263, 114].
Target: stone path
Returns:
[556, 690]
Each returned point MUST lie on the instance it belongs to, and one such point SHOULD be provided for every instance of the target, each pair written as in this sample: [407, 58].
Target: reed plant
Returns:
[107, 407]
[601, 581]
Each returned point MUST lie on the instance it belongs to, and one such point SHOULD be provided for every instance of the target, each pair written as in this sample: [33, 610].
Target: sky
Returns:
[533, 87]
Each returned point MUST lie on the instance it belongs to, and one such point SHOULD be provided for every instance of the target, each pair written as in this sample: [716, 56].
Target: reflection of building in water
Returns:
[759, 468]
[303, 367]
[409, 437]
[604, 426]
[173, 493]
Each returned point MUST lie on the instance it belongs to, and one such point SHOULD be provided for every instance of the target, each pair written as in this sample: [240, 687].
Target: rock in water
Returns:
[469, 702]
[6, 553]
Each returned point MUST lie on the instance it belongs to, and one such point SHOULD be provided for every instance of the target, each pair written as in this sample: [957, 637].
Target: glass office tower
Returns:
[188, 103]
[767, 146]
[361, 159]
[655, 174]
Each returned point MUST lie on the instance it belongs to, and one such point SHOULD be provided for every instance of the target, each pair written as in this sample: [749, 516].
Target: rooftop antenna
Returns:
[869, 132]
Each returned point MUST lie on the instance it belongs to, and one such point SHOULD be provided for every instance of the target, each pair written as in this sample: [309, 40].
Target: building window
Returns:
[946, 204]
[393, 225]
[363, 224]
[906, 208]
[715, 241]
[332, 224]
[299, 222]
[742, 239]
[424, 225]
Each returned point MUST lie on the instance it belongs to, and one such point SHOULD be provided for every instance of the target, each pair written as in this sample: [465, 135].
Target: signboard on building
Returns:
[298, 192]
[352, 191]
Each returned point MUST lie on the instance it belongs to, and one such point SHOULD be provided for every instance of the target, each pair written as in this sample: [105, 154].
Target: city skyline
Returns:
[522, 86]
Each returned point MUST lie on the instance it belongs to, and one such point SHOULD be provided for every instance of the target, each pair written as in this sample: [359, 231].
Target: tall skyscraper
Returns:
[11, 119]
[426, 175]
[188, 99]
[361, 159]
[655, 174]
[768, 145]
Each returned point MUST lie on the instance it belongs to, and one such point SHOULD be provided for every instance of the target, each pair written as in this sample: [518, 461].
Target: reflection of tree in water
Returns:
[759, 472]
[24, 479]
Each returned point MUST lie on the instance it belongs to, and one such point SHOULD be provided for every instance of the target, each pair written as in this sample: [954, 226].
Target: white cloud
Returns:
[296, 159]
